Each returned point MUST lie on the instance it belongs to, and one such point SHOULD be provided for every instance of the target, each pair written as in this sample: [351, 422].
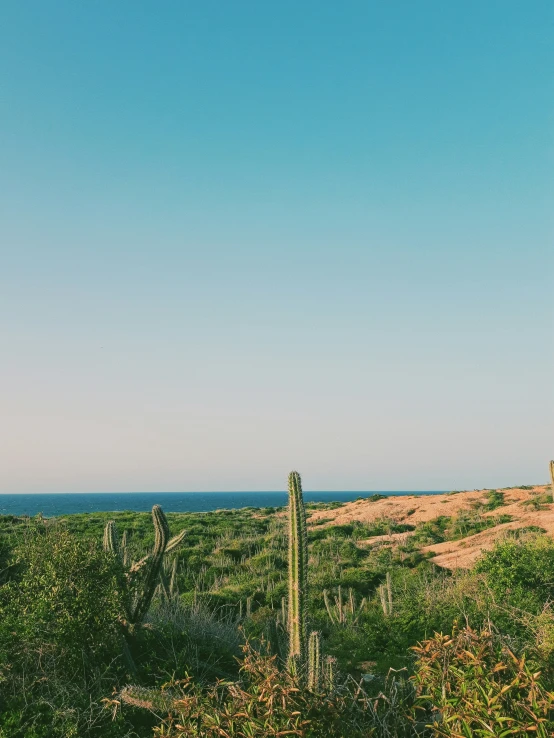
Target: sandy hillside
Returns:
[413, 510]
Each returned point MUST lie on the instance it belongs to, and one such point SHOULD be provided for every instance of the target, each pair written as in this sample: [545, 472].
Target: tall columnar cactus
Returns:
[552, 478]
[298, 572]
[141, 579]
[314, 661]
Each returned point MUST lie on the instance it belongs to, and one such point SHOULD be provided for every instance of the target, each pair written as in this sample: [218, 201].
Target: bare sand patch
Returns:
[412, 509]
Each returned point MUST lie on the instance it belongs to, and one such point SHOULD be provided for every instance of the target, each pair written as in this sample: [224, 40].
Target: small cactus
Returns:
[124, 548]
[275, 636]
[173, 590]
[284, 612]
[314, 661]
[343, 612]
[111, 542]
[385, 595]
[330, 674]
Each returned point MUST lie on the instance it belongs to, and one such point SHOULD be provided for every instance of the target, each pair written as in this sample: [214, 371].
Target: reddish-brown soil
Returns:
[413, 509]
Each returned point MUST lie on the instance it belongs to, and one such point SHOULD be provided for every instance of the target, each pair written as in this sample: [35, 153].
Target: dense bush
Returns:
[471, 684]
[65, 595]
[521, 571]
[60, 644]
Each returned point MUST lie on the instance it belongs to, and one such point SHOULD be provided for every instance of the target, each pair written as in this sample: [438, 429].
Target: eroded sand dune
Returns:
[413, 510]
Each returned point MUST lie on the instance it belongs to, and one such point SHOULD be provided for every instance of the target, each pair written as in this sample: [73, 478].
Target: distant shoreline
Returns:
[69, 503]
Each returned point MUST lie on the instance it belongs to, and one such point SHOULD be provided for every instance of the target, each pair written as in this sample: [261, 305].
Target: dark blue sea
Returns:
[76, 502]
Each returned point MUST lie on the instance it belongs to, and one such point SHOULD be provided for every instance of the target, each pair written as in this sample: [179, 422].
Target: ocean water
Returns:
[68, 503]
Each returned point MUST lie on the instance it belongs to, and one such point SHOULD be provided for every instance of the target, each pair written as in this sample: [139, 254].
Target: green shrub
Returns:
[521, 571]
[470, 684]
[66, 596]
[60, 643]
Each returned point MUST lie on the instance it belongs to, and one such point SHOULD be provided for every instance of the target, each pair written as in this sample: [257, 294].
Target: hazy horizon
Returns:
[228, 492]
[239, 239]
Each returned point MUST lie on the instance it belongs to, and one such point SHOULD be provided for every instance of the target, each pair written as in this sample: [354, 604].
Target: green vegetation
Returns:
[254, 623]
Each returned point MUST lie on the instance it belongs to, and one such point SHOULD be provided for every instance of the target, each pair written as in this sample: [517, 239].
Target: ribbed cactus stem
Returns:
[161, 530]
[351, 601]
[384, 603]
[274, 638]
[124, 548]
[385, 595]
[339, 605]
[363, 604]
[314, 661]
[153, 565]
[328, 605]
[298, 570]
[111, 542]
[175, 541]
[330, 673]
[173, 579]
[552, 478]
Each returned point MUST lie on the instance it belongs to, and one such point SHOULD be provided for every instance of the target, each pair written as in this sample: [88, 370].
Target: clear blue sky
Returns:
[239, 238]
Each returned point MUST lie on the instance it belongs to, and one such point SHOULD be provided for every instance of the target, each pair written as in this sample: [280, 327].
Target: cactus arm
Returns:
[175, 541]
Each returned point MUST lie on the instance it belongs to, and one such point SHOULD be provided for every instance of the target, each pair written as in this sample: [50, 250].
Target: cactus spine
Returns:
[314, 661]
[298, 573]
